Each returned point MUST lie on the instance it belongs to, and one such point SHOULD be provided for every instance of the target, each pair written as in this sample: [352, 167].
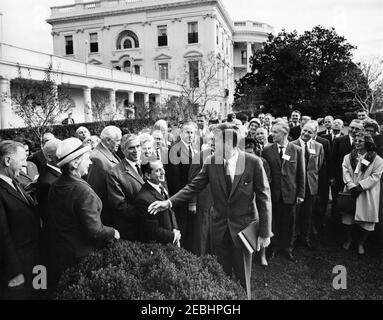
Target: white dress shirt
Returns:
[232, 164]
[7, 180]
[54, 168]
[283, 149]
[157, 187]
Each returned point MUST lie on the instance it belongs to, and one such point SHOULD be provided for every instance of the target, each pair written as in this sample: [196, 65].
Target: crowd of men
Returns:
[77, 194]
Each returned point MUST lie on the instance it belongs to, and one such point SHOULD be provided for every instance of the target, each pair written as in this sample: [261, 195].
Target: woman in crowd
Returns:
[75, 207]
[147, 147]
[254, 124]
[362, 170]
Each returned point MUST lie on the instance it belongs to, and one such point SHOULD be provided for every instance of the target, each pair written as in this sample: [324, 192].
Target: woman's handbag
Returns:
[346, 202]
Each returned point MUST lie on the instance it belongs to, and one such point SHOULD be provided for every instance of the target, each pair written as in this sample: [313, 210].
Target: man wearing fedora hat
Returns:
[75, 207]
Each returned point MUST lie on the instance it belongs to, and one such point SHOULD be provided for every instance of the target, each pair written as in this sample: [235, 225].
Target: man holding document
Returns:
[241, 195]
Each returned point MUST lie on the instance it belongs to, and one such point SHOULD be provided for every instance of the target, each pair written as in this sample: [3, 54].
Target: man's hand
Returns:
[300, 200]
[177, 237]
[332, 182]
[158, 206]
[116, 234]
[192, 208]
[262, 243]
[17, 281]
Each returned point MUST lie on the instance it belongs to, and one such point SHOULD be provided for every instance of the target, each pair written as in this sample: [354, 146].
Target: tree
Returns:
[207, 88]
[39, 103]
[365, 83]
[304, 72]
[101, 107]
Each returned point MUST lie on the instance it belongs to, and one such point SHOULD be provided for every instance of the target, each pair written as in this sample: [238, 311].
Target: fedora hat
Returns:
[70, 149]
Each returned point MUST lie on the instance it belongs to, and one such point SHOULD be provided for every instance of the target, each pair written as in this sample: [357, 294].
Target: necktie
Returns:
[163, 193]
[158, 154]
[280, 152]
[139, 169]
[190, 153]
[307, 154]
[227, 176]
[18, 189]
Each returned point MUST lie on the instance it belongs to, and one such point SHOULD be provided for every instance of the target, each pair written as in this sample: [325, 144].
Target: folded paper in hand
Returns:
[249, 236]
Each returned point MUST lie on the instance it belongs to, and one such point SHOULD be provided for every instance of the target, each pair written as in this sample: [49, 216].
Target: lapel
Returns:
[23, 174]
[221, 177]
[109, 155]
[288, 152]
[154, 192]
[15, 193]
[132, 172]
[276, 152]
[238, 175]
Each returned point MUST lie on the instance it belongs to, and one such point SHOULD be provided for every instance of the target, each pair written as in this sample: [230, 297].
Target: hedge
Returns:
[135, 271]
[66, 131]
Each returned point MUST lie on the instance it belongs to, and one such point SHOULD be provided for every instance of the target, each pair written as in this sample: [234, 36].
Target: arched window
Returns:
[126, 66]
[126, 37]
[127, 44]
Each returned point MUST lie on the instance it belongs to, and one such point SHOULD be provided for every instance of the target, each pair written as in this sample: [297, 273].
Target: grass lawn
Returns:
[311, 278]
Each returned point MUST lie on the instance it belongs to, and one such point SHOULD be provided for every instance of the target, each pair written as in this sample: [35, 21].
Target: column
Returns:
[146, 98]
[5, 103]
[131, 97]
[88, 105]
[249, 54]
[112, 101]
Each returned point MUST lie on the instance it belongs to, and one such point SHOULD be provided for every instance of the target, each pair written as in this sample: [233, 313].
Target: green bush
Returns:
[136, 271]
[66, 131]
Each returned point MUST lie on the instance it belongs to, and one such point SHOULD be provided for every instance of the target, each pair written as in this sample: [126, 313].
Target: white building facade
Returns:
[164, 40]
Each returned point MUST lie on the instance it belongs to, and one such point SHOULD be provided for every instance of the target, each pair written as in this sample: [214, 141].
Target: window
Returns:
[127, 44]
[127, 39]
[162, 36]
[68, 44]
[216, 34]
[126, 67]
[93, 42]
[164, 71]
[244, 56]
[192, 32]
[137, 69]
[193, 74]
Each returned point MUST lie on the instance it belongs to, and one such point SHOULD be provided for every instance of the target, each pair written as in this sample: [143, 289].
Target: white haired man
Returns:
[103, 159]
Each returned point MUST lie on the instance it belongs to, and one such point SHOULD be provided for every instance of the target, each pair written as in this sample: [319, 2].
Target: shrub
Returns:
[135, 271]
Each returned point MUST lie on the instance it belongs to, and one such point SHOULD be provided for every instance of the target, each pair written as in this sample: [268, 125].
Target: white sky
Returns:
[360, 21]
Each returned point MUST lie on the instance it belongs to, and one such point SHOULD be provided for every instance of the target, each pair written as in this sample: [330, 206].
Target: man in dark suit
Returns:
[295, 132]
[162, 227]
[295, 119]
[104, 158]
[321, 202]
[341, 147]
[123, 183]
[314, 155]
[19, 226]
[202, 131]
[287, 168]
[177, 172]
[241, 194]
[38, 157]
[327, 122]
[336, 132]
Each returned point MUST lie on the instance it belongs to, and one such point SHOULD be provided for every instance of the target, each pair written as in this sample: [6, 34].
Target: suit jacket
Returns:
[314, 165]
[43, 185]
[39, 160]
[341, 147]
[123, 184]
[19, 234]
[325, 171]
[76, 211]
[330, 139]
[248, 200]
[177, 170]
[157, 227]
[295, 132]
[287, 176]
[102, 161]
[323, 133]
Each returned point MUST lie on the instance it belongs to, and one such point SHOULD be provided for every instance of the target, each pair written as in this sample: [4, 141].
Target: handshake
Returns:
[177, 237]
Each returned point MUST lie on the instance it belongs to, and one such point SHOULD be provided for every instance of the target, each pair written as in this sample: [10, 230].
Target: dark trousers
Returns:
[283, 225]
[231, 258]
[201, 242]
[185, 223]
[303, 225]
